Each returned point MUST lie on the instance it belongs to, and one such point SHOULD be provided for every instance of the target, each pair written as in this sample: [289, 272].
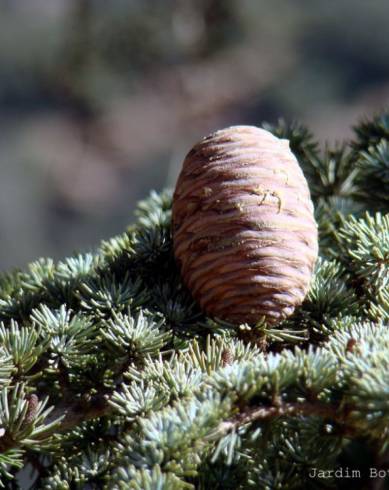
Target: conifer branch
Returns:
[153, 394]
[263, 413]
[74, 413]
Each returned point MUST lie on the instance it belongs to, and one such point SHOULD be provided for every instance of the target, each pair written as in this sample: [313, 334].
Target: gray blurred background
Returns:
[100, 100]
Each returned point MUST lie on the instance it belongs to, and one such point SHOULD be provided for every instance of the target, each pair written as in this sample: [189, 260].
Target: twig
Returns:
[267, 412]
[80, 411]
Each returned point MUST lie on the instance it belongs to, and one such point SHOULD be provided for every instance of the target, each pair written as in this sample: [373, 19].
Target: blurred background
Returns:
[100, 101]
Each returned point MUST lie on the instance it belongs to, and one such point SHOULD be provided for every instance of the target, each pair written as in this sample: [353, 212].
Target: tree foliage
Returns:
[111, 376]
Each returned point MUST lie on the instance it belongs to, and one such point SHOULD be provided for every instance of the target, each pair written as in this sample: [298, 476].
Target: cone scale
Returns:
[244, 233]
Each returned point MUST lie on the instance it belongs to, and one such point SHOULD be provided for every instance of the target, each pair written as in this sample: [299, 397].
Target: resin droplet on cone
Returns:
[244, 233]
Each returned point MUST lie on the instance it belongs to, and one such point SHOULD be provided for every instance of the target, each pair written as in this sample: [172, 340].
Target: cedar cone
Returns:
[244, 233]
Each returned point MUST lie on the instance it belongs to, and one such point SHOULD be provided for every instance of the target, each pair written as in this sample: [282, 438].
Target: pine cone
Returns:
[244, 233]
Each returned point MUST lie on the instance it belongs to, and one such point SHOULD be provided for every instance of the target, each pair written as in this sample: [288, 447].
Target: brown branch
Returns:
[98, 406]
[88, 407]
[73, 414]
[80, 411]
[254, 414]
